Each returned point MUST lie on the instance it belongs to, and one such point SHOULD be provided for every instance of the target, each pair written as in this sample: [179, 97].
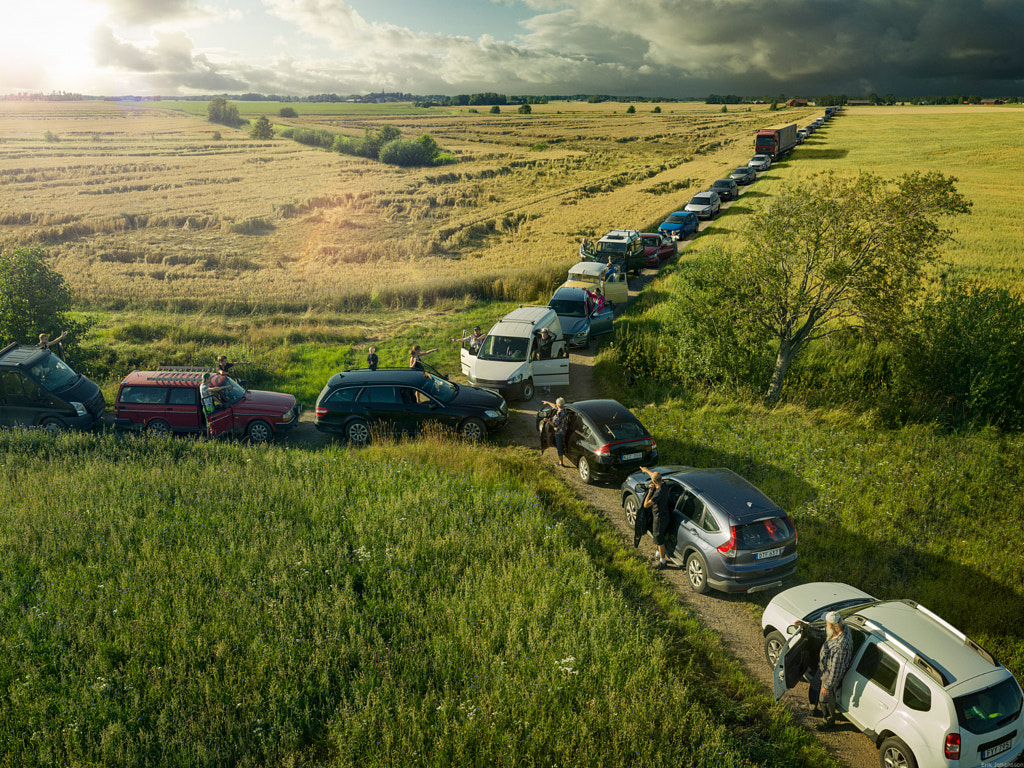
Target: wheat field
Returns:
[141, 204]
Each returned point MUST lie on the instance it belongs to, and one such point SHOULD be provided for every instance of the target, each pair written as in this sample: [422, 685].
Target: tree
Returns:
[495, 110]
[261, 129]
[630, 110]
[835, 250]
[287, 112]
[220, 110]
[524, 109]
[34, 298]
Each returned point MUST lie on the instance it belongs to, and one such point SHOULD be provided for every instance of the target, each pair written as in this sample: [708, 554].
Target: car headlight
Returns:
[515, 378]
[79, 409]
[582, 335]
[492, 414]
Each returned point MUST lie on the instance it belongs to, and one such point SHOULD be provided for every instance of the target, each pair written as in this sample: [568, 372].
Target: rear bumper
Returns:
[747, 584]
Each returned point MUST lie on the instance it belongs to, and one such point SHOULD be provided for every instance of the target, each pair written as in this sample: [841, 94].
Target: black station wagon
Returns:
[403, 401]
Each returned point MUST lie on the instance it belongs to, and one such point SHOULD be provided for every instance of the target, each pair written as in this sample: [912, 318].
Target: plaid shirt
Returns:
[835, 658]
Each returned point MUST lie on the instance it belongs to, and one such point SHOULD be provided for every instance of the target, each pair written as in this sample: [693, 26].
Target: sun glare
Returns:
[53, 37]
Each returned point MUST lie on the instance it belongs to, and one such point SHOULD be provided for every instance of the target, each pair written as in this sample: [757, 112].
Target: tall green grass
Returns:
[176, 602]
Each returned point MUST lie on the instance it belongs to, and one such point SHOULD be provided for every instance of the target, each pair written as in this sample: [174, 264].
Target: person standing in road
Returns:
[833, 661]
[559, 421]
[656, 501]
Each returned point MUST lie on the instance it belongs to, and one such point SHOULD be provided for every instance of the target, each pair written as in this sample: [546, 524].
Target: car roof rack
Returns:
[186, 373]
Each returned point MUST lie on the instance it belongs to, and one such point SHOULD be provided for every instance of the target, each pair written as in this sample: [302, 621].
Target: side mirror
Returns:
[792, 629]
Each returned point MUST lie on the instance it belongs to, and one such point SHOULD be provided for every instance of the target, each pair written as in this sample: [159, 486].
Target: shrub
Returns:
[524, 109]
[495, 110]
[261, 129]
[287, 112]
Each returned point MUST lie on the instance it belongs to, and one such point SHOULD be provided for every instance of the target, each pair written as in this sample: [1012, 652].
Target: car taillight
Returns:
[952, 746]
[729, 548]
[321, 411]
[604, 450]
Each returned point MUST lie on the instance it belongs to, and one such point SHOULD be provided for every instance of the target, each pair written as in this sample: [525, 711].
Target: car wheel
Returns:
[631, 506]
[158, 427]
[584, 468]
[697, 573]
[895, 754]
[53, 427]
[357, 432]
[259, 431]
[473, 430]
[774, 642]
[528, 390]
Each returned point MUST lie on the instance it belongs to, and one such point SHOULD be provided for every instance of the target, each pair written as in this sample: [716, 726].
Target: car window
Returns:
[762, 533]
[689, 506]
[707, 520]
[623, 430]
[989, 709]
[143, 395]
[443, 390]
[344, 395]
[879, 667]
[183, 396]
[583, 430]
[916, 694]
[568, 307]
[413, 396]
[511, 349]
[379, 396]
[10, 384]
[53, 373]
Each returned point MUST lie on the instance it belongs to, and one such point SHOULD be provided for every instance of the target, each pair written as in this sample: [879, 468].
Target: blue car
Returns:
[679, 225]
[581, 319]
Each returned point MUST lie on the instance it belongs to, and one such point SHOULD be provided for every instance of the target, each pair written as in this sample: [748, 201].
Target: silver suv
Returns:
[924, 692]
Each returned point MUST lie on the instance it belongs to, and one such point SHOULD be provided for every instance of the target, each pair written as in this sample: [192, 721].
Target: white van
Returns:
[513, 360]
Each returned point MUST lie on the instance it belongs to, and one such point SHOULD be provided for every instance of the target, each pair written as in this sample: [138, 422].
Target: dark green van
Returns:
[38, 389]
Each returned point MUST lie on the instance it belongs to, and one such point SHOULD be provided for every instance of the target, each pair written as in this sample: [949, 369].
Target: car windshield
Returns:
[508, 349]
[989, 709]
[53, 373]
[443, 390]
[763, 533]
[568, 307]
[610, 247]
[701, 200]
[673, 219]
[234, 392]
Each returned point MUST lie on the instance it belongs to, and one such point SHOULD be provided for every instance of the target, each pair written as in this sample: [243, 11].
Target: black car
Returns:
[727, 534]
[38, 389]
[744, 175]
[604, 440]
[404, 401]
[726, 189]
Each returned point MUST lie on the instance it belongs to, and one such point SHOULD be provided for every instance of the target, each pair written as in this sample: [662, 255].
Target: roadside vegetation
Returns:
[178, 602]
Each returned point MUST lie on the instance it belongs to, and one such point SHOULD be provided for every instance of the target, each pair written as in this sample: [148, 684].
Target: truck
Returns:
[775, 142]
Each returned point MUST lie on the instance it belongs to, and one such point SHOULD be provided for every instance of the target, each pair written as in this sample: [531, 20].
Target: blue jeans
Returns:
[559, 445]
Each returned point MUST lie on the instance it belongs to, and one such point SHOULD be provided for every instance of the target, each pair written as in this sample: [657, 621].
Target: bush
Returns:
[406, 153]
[287, 112]
[963, 357]
[495, 110]
[524, 109]
[261, 129]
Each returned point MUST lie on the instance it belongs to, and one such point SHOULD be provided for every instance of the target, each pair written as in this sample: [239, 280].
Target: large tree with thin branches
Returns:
[832, 251]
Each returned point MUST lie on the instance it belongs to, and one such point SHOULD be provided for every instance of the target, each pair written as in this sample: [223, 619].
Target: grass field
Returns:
[173, 603]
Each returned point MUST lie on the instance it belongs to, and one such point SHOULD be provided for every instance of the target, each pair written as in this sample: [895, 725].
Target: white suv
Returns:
[924, 692]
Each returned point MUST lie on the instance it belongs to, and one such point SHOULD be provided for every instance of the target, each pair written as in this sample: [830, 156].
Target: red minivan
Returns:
[167, 400]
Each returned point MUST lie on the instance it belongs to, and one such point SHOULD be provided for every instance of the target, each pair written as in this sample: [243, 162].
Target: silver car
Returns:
[706, 204]
[760, 163]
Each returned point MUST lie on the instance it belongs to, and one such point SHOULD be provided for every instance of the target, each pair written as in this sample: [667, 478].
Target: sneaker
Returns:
[659, 566]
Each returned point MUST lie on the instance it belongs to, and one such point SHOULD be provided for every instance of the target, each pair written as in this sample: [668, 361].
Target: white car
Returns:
[925, 693]
[760, 163]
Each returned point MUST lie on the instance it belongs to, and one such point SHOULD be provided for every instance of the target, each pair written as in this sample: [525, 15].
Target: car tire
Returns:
[53, 427]
[586, 474]
[357, 432]
[697, 573]
[774, 642]
[528, 390]
[630, 507]
[473, 430]
[259, 431]
[894, 753]
[158, 427]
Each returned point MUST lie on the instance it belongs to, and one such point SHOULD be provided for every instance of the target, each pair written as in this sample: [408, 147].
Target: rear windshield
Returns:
[763, 532]
[990, 709]
[623, 430]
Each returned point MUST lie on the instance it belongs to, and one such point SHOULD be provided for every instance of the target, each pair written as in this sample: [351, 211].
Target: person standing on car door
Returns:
[833, 661]
[657, 502]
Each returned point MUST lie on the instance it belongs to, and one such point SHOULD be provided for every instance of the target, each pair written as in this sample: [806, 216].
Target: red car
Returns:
[167, 400]
[658, 248]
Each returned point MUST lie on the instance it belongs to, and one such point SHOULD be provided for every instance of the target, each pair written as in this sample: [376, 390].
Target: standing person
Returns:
[225, 366]
[416, 355]
[559, 421]
[656, 501]
[544, 343]
[218, 383]
[475, 339]
[612, 269]
[833, 661]
[371, 359]
[208, 396]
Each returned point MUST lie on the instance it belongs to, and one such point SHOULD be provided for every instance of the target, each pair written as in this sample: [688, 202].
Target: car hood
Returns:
[477, 397]
[798, 602]
[259, 401]
[495, 370]
[573, 325]
[698, 207]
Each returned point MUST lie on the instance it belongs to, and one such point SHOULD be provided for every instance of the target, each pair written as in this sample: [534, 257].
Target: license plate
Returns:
[996, 749]
[631, 456]
[768, 553]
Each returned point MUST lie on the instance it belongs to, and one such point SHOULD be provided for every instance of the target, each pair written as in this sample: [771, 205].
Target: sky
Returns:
[649, 48]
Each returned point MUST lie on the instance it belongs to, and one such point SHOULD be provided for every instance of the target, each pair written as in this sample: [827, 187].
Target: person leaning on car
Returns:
[833, 661]
[656, 502]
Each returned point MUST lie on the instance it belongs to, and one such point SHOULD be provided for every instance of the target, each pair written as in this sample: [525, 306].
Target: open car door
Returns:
[798, 660]
[467, 355]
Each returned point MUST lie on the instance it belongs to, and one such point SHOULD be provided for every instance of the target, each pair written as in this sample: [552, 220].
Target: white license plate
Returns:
[631, 456]
[996, 749]
[768, 553]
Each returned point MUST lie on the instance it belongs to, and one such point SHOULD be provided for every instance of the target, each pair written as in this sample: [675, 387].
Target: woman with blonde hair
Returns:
[416, 355]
